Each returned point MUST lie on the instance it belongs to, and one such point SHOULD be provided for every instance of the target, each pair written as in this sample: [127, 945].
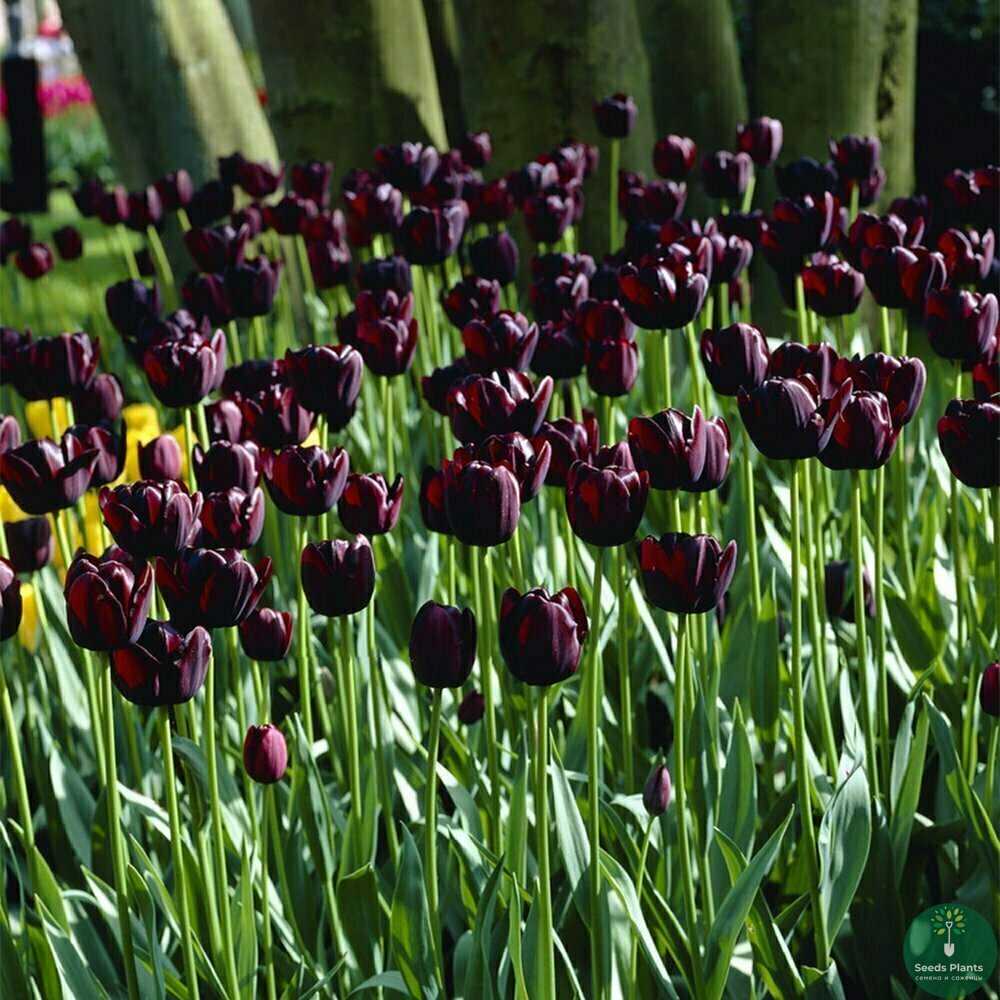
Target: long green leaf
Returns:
[410, 924]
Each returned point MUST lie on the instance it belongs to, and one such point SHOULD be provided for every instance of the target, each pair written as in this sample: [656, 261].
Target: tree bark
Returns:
[170, 85]
[344, 77]
[531, 71]
[442, 27]
[896, 98]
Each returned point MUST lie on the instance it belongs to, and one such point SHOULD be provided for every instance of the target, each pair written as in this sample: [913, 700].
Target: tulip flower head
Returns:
[11, 605]
[541, 636]
[442, 645]
[338, 577]
[685, 574]
[266, 635]
[163, 667]
[265, 754]
[656, 792]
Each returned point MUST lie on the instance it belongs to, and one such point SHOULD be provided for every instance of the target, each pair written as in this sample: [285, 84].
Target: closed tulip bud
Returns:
[329, 263]
[969, 436]
[436, 386]
[472, 708]
[226, 465]
[161, 459]
[387, 345]
[210, 202]
[615, 116]
[569, 442]
[87, 197]
[305, 481]
[275, 419]
[731, 255]
[900, 380]
[686, 574]
[793, 359]
[214, 250]
[507, 340]
[225, 421]
[144, 209]
[612, 366]
[656, 791]
[259, 179]
[110, 448]
[833, 289]
[326, 380]
[559, 351]
[163, 667]
[838, 590]
[726, 175]
[29, 543]
[150, 519]
[856, 157]
[549, 213]
[495, 257]
[11, 342]
[312, 180]
[530, 465]
[338, 577]
[498, 403]
[962, 326]
[553, 297]
[253, 285]
[175, 189]
[674, 156]
[472, 298]
[482, 503]
[681, 452]
[265, 754]
[112, 206]
[789, 418]
[107, 603]
[805, 176]
[662, 295]
[761, 139]
[884, 269]
[56, 366]
[10, 433]
[34, 261]
[183, 373]
[605, 505]
[43, 477]
[208, 297]
[476, 149]
[371, 211]
[266, 635]
[128, 303]
[69, 242]
[442, 645]
[735, 357]
[103, 399]
[491, 203]
[370, 506]
[541, 636]
[231, 519]
[327, 227]
[11, 606]
[408, 166]
[432, 235]
[865, 435]
[989, 690]
[967, 255]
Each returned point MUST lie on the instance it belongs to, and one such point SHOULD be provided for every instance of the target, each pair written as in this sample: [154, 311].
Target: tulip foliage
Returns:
[389, 606]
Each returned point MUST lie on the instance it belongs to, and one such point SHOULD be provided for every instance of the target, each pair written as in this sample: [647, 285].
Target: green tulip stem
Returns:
[546, 982]
[725, 312]
[750, 515]
[430, 833]
[233, 343]
[236, 679]
[595, 693]
[20, 782]
[305, 637]
[803, 773]
[376, 675]
[518, 559]
[189, 442]
[127, 252]
[800, 310]
[956, 555]
[353, 749]
[177, 852]
[698, 393]
[996, 542]
[898, 466]
[624, 669]
[666, 371]
[747, 203]
[267, 794]
[390, 440]
[115, 833]
[883, 676]
[162, 262]
[885, 329]
[491, 624]
[219, 834]
[613, 224]
[857, 558]
[991, 766]
[258, 335]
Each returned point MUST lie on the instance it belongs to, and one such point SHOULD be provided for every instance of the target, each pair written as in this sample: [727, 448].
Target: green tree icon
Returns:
[948, 920]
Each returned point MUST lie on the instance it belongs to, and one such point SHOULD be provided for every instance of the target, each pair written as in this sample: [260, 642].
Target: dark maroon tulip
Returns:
[491, 203]
[789, 418]
[183, 373]
[338, 577]
[570, 442]
[107, 604]
[482, 503]
[549, 213]
[559, 351]
[326, 227]
[856, 156]
[150, 519]
[541, 636]
[442, 645]
[928, 273]
[265, 754]
[175, 189]
[686, 574]
[662, 295]
[612, 366]
[884, 269]
[329, 263]
[969, 436]
[436, 386]
[674, 156]
[476, 149]
[161, 459]
[43, 477]
[726, 175]
[372, 211]
[432, 235]
[799, 227]
[231, 168]
[69, 242]
[497, 403]
[253, 285]
[656, 791]
[210, 202]
[144, 209]
[260, 179]
[326, 380]
[615, 116]
[209, 587]
[680, 452]
[305, 481]
[962, 326]
[231, 519]
[112, 206]
[10, 433]
[163, 667]
[214, 250]
[833, 289]
[251, 377]
[731, 255]
[387, 345]
[495, 257]
[56, 366]
[472, 708]
[370, 506]
[15, 235]
[605, 505]
[989, 689]
[432, 503]
[275, 419]
[530, 465]
[110, 448]
[11, 606]
[865, 435]
[472, 298]
[871, 231]
[967, 255]
[11, 342]
[658, 201]
[838, 589]
[128, 303]
[986, 380]
[761, 139]
[103, 399]
[227, 465]
[735, 357]
[901, 380]
[29, 543]
[552, 297]
[507, 340]
[408, 166]
[791, 359]
[87, 197]
[208, 296]
[532, 178]
[225, 421]
[312, 180]
[748, 225]
[805, 176]
[266, 635]
[289, 216]
[34, 261]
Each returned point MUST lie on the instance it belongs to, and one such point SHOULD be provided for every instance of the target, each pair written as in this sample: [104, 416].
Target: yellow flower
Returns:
[39, 417]
[313, 440]
[141, 416]
[94, 526]
[29, 634]
[9, 511]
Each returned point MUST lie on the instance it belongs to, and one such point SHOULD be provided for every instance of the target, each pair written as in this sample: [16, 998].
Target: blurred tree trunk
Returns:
[442, 26]
[242, 22]
[170, 84]
[896, 97]
[531, 71]
[344, 77]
